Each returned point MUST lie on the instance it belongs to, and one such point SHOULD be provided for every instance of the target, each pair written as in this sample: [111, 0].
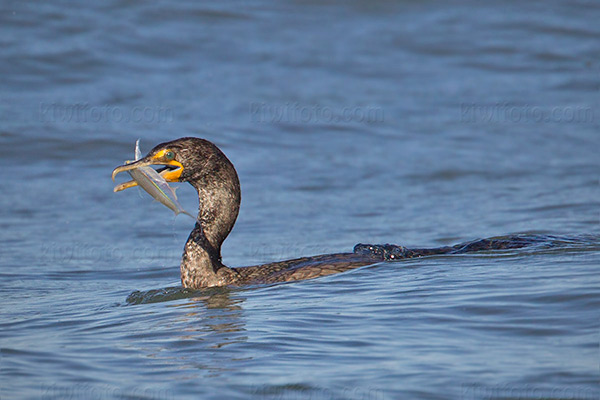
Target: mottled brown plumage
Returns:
[210, 172]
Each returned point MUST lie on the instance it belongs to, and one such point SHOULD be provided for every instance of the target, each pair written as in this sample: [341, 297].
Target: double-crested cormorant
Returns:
[210, 172]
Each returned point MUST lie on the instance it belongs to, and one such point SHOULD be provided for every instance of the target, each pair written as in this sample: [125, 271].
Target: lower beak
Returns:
[125, 185]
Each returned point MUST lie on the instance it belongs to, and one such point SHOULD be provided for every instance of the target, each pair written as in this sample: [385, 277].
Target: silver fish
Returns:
[153, 183]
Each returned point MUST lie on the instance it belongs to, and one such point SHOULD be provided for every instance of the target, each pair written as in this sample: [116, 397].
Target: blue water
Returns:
[415, 123]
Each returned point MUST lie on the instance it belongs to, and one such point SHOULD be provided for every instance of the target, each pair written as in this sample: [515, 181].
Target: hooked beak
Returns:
[171, 172]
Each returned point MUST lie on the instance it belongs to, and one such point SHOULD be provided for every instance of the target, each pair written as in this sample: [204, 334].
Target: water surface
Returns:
[416, 123]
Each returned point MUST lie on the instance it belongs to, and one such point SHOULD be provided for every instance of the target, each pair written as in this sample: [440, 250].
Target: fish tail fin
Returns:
[184, 212]
[188, 214]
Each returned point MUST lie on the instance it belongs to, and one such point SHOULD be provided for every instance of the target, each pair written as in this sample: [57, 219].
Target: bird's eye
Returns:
[169, 155]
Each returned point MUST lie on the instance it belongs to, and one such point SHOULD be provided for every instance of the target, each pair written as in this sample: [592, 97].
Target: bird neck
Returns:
[201, 261]
[219, 205]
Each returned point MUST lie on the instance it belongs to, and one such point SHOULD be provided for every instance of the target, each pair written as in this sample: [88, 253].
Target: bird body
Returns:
[214, 177]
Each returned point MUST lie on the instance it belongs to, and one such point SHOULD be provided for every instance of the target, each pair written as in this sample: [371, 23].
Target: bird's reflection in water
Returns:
[200, 328]
[215, 312]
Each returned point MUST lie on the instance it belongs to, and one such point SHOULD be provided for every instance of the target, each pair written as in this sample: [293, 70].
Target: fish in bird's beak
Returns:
[171, 172]
[153, 182]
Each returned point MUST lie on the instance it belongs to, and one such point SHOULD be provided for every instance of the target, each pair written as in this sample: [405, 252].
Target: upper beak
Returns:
[144, 162]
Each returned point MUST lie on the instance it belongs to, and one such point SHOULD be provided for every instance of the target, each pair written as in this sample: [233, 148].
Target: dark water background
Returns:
[416, 123]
